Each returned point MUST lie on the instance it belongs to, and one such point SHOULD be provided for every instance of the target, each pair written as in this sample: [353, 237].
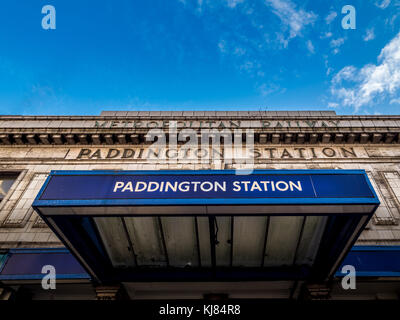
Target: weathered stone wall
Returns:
[34, 145]
[21, 227]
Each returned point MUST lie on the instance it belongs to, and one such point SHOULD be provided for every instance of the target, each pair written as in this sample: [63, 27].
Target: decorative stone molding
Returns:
[385, 214]
[283, 140]
[39, 222]
[131, 127]
[392, 181]
[262, 137]
[19, 208]
[13, 195]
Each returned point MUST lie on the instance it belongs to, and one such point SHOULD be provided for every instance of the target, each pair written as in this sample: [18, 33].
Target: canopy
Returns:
[209, 225]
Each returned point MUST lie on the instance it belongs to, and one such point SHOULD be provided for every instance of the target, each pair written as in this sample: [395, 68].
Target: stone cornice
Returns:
[265, 137]
[269, 127]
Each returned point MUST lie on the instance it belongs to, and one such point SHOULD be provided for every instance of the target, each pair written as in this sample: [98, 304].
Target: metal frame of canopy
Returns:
[74, 221]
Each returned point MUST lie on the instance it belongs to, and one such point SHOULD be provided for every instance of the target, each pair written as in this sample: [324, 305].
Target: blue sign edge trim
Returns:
[203, 201]
[375, 248]
[338, 274]
[200, 172]
[40, 276]
[38, 250]
[217, 201]
[358, 248]
[10, 252]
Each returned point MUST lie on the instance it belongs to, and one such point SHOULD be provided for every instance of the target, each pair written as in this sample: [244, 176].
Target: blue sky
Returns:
[199, 55]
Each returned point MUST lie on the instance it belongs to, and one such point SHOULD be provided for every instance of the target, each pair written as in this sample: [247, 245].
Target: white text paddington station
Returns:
[206, 186]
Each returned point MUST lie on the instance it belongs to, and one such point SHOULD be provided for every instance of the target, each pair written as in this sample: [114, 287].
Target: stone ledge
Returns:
[123, 137]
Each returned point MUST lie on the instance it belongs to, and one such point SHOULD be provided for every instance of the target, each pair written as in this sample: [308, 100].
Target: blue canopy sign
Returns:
[312, 216]
[204, 185]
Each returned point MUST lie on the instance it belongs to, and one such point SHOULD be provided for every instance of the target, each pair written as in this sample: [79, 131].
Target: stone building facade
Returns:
[32, 146]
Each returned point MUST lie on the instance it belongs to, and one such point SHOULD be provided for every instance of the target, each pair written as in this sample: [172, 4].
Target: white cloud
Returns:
[391, 20]
[239, 51]
[266, 89]
[346, 73]
[330, 17]
[326, 35]
[295, 19]
[281, 38]
[251, 31]
[310, 47]
[335, 43]
[249, 66]
[369, 35]
[383, 4]
[333, 105]
[222, 46]
[233, 3]
[395, 101]
[358, 87]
